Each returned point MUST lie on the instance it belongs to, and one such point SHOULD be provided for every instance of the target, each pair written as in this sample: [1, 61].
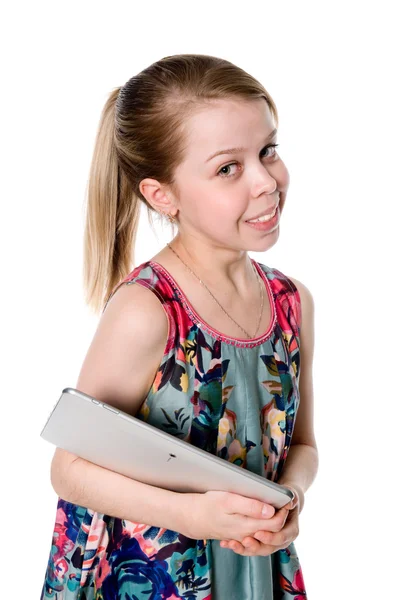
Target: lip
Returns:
[262, 214]
[267, 226]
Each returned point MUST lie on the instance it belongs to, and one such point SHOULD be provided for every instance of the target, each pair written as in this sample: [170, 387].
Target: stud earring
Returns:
[171, 218]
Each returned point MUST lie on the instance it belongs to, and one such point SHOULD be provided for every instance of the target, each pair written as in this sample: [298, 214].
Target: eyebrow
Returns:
[235, 150]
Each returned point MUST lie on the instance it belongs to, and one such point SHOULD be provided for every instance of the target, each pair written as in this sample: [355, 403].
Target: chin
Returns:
[265, 242]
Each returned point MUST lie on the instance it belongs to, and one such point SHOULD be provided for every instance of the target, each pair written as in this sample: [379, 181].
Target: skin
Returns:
[215, 199]
[284, 529]
[257, 180]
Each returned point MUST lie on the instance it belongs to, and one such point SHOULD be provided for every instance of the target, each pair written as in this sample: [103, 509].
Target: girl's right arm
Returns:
[104, 491]
[119, 369]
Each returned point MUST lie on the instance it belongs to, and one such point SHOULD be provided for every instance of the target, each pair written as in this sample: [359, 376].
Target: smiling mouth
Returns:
[263, 218]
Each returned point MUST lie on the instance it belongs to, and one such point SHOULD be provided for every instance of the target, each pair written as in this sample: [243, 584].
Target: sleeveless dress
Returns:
[236, 398]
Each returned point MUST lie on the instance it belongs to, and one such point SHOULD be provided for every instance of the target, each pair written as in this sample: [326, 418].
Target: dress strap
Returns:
[287, 298]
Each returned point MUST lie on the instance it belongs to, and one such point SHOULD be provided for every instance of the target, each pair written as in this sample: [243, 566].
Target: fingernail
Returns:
[265, 510]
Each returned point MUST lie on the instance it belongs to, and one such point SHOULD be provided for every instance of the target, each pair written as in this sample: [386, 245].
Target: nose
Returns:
[265, 183]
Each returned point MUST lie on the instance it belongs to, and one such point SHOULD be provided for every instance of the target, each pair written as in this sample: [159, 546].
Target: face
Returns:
[218, 195]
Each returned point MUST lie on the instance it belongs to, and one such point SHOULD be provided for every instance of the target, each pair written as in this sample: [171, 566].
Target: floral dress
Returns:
[236, 398]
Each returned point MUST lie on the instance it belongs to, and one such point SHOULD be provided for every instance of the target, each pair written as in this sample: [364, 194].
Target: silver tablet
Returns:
[117, 441]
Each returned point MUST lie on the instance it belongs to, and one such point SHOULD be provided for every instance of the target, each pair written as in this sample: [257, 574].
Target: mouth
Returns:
[268, 222]
[267, 216]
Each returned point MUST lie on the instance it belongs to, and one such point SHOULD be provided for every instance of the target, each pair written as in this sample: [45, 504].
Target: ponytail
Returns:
[112, 214]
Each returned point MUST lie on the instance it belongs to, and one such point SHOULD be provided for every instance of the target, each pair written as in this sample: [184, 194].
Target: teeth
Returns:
[264, 218]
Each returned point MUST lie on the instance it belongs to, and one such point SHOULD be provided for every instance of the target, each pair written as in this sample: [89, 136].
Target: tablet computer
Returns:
[115, 440]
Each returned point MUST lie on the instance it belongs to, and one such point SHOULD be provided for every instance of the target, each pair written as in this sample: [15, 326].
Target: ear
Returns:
[158, 196]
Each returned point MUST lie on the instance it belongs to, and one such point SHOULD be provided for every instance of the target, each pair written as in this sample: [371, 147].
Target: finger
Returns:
[277, 540]
[248, 547]
[289, 526]
[249, 507]
[235, 546]
[276, 523]
[251, 545]
[251, 548]
[281, 538]
[293, 503]
[232, 544]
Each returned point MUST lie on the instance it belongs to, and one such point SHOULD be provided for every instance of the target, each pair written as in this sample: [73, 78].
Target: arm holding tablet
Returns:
[119, 371]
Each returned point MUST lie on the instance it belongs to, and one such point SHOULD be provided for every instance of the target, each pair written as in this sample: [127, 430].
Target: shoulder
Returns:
[126, 350]
[135, 310]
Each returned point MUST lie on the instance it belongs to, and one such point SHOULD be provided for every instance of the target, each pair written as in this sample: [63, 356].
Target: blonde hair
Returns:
[141, 134]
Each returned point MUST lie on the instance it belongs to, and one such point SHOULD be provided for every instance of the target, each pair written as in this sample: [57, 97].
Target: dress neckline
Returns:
[197, 319]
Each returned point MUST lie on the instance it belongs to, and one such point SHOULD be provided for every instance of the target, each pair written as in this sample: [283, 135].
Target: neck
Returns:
[219, 268]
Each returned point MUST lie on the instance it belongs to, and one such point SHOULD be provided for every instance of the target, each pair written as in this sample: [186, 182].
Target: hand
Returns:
[263, 543]
[299, 494]
[222, 515]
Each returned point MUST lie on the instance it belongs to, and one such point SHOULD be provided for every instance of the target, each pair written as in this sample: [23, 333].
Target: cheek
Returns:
[283, 182]
[282, 176]
[222, 211]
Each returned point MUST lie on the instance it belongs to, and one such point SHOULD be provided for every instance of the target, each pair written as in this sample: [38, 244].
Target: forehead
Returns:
[226, 123]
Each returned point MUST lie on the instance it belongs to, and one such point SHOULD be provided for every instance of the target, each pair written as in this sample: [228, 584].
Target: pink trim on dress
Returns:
[197, 319]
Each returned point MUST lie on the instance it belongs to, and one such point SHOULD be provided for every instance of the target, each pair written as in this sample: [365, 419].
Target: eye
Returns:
[268, 147]
[274, 146]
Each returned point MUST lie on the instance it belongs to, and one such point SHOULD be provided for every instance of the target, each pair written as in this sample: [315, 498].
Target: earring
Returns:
[171, 218]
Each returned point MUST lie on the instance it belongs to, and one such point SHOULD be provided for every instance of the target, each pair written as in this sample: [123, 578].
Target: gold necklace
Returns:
[200, 280]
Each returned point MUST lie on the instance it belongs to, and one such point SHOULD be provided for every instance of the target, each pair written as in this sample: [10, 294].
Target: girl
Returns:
[200, 340]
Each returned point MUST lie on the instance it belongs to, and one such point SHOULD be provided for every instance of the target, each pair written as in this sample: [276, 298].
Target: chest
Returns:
[244, 313]
[224, 312]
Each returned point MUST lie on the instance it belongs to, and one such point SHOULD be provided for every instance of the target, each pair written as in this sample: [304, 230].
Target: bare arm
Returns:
[110, 493]
[302, 462]
[119, 369]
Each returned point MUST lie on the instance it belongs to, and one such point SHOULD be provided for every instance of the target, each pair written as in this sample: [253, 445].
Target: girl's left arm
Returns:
[302, 461]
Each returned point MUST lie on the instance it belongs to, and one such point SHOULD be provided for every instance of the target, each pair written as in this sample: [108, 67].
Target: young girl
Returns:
[200, 341]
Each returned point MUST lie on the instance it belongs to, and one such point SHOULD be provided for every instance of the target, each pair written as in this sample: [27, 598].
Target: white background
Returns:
[332, 70]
